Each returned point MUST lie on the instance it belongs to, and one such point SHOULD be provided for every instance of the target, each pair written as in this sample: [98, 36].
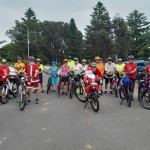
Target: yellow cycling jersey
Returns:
[120, 67]
[19, 67]
[70, 64]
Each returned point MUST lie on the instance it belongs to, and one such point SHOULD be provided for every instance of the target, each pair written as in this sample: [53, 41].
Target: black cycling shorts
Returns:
[131, 88]
[108, 80]
[65, 79]
[40, 78]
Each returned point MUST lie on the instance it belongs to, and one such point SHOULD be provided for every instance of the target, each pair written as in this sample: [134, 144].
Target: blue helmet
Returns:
[53, 62]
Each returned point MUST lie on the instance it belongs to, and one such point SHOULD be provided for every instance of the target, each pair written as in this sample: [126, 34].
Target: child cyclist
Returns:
[64, 73]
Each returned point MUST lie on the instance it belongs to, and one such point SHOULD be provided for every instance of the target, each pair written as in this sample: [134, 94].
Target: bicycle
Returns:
[6, 89]
[92, 97]
[49, 84]
[124, 91]
[23, 94]
[59, 85]
[144, 96]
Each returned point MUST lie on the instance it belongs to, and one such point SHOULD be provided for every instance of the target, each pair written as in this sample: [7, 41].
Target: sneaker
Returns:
[42, 91]
[105, 92]
[36, 101]
[111, 92]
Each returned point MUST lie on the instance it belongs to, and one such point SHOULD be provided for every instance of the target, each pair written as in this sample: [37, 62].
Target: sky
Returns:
[64, 10]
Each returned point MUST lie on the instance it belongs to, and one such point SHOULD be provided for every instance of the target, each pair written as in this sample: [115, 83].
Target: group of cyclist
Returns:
[95, 70]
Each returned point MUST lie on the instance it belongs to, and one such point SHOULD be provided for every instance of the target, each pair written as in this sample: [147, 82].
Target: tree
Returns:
[140, 32]
[98, 34]
[121, 40]
[74, 39]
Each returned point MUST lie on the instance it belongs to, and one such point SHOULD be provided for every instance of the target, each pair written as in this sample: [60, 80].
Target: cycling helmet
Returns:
[65, 60]
[75, 59]
[69, 57]
[149, 58]
[53, 62]
[84, 60]
[131, 57]
[97, 58]
[119, 60]
[31, 58]
[3, 60]
[109, 58]
[93, 64]
[18, 58]
[38, 60]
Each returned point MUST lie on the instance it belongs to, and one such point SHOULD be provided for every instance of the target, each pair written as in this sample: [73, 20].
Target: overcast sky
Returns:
[64, 10]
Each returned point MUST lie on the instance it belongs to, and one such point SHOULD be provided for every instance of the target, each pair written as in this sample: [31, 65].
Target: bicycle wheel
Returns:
[59, 88]
[94, 103]
[116, 90]
[15, 90]
[48, 86]
[79, 93]
[22, 102]
[122, 93]
[4, 99]
[71, 89]
[128, 97]
[145, 99]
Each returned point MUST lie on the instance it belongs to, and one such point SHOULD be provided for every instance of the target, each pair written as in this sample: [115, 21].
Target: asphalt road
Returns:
[63, 124]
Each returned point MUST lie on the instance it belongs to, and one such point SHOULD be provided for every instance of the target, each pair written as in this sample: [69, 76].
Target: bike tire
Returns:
[116, 91]
[71, 89]
[4, 99]
[80, 94]
[15, 94]
[144, 100]
[128, 98]
[121, 93]
[94, 100]
[48, 86]
[59, 88]
[22, 102]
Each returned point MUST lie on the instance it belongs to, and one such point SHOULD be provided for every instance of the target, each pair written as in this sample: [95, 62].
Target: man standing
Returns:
[32, 71]
[77, 67]
[41, 68]
[84, 66]
[131, 69]
[110, 69]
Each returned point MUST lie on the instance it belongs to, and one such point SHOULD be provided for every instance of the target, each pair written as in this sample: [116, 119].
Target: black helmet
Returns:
[131, 57]
[93, 64]
[109, 58]
[31, 58]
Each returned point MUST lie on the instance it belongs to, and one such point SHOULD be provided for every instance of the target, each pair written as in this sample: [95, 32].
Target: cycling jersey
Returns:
[100, 67]
[64, 70]
[4, 72]
[84, 68]
[19, 67]
[70, 64]
[77, 68]
[110, 69]
[120, 67]
[54, 70]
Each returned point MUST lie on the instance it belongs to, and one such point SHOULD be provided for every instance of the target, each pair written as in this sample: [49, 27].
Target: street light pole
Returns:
[28, 39]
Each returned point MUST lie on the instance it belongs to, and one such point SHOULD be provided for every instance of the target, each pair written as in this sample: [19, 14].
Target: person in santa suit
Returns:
[4, 73]
[89, 78]
[32, 70]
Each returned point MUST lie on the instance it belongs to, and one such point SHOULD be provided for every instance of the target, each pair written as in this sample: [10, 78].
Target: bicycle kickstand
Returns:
[86, 104]
[121, 102]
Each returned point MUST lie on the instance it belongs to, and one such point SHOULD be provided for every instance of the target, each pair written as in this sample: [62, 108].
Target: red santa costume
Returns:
[92, 78]
[4, 73]
[31, 70]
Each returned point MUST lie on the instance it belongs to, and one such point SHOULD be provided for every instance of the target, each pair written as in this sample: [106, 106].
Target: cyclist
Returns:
[110, 69]
[98, 75]
[41, 68]
[19, 67]
[4, 71]
[131, 69]
[120, 67]
[84, 66]
[99, 64]
[147, 70]
[32, 71]
[64, 69]
[77, 67]
[70, 62]
[54, 72]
